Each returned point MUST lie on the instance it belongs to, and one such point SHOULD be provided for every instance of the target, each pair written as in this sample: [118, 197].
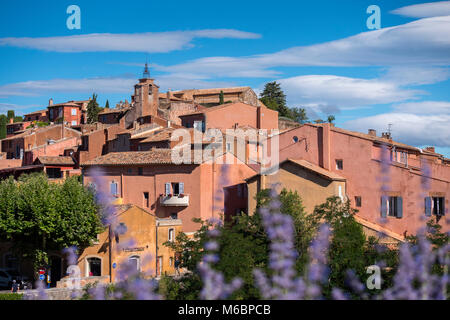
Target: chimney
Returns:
[11, 120]
[372, 132]
[50, 102]
[386, 135]
[430, 149]
[168, 94]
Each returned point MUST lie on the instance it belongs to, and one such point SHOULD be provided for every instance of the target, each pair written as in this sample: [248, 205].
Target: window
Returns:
[339, 164]
[54, 173]
[94, 267]
[434, 205]
[174, 188]
[74, 122]
[171, 261]
[295, 139]
[228, 146]
[74, 111]
[113, 188]
[174, 215]
[392, 206]
[358, 201]
[146, 200]
[135, 263]
[399, 156]
[171, 234]
[140, 171]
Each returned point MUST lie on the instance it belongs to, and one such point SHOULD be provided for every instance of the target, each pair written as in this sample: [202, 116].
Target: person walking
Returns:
[14, 287]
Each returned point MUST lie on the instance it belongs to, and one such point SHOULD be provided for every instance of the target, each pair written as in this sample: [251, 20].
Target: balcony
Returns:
[174, 200]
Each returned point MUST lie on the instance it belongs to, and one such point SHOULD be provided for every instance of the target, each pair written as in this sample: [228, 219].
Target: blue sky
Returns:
[320, 51]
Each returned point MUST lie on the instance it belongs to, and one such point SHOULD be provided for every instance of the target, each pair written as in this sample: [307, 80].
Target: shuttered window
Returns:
[391, 206]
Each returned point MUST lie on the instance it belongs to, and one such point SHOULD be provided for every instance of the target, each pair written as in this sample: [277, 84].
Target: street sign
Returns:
[41, 277]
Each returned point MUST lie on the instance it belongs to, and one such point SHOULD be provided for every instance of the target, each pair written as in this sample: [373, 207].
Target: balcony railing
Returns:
[181, 200]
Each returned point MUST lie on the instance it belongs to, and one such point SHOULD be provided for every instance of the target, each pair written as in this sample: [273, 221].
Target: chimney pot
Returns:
[430, 149]
[373, 132]
[50, 102]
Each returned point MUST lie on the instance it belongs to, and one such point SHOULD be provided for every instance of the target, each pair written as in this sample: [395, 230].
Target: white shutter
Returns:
[167, 188]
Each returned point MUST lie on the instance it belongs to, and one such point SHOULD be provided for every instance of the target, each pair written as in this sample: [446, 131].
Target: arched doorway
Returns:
[93, 267]
[135, 262]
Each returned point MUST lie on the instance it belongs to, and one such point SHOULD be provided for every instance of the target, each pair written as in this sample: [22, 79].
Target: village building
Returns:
[141, 243]
[13, 128]
[393, 186]
[73, 113]
[17, 145]
[40, 116]
[152, 180]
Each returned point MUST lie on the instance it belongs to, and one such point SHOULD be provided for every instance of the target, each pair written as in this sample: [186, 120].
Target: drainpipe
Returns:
[156, 247]
[110, 255]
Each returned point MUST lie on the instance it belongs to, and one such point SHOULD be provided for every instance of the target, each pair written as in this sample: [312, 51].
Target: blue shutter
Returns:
[181, 187]
[113, 188]
[384, 201]
[167, 188]
[399, 207]
[428, 206]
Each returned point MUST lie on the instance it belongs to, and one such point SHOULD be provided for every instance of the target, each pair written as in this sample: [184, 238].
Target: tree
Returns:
[273, 96]
[349, 248]
[107, 104]
[38, 216]
[3, 122]
[10, 114]
[93, 109]
[18, 119]
[299, 115]
[221, 97]
[243, 245]
[331, 118]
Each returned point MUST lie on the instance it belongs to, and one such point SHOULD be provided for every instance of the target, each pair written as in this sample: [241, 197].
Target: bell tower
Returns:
[146, 95]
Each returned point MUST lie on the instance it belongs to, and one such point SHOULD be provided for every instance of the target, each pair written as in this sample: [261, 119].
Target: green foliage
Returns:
[331, 118]
[10, 114]
[18, 119]
[3, 122]
[243, 246]
[107, 104]
[93, 109]
[349, 248]
[185, 288]
[221, 97]
[38, 216]
[274, 98]
[11, 296]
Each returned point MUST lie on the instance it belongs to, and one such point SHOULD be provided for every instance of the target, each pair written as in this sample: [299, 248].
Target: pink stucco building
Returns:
[391, 184]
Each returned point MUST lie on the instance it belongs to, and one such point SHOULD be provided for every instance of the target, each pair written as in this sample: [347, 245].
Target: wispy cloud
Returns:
[421, 42]
[425, 10]
[413, 75]
[118, 85]
[344, 92]
[424, 107]
[152, 42]
[18, 109]
[413, 129]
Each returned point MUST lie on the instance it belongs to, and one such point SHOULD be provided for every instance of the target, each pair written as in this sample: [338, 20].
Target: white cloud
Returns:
[120, 85]
[344, 92]
[413, 129]
[418, 43]
[424, 107]
[412, 75]
[18, 109]
[425, 10]
[132, 42]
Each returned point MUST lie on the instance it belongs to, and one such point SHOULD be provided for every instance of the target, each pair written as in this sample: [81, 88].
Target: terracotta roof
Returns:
[35, 112]
[307, 165]
[56, 160]
[320, 171]
[163, 135]
[158, 156]
[113, 110]
[30, 131]
[155, 156]
[210, 109]
[213, 90]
